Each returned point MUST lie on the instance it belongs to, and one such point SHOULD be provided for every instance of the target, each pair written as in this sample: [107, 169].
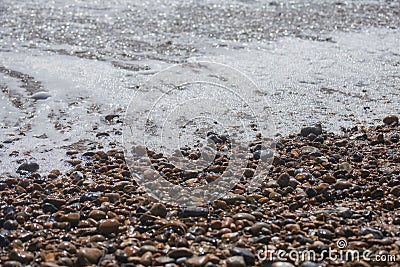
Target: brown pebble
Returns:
[108, 226]
[97, 215]
[180, 253]
[197, 261]
[89, 255]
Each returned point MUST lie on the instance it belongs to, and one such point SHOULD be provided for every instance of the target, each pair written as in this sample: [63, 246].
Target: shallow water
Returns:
[316, 61]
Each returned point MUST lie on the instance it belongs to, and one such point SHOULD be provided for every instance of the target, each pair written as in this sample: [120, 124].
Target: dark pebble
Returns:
[4, 242]
[317, 130]
[304, 240]
[311, 192]
[376, 233]
[248, 256]
[10, 225]
[28, 167]
[325, 233]
[193, 212]
[391, 119]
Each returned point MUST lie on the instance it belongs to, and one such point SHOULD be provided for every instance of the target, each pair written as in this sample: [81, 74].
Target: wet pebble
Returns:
[391, 119]
[180, 253]
[159, 209]
[193, 212]
[108, 226]
[28, 167]
[21, 256]
[89, 256]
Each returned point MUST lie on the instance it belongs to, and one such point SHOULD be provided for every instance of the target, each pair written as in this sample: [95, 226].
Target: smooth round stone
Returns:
[244, 216]
[391, 119]
[97, 215]
[197, 261]
[89, 255]
[108, 226]
[159, 209]
[284, 180]
[180, 253]
[236, 261]
[42, 95]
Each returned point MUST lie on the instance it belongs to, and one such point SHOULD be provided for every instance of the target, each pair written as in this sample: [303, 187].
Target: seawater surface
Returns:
[66, 65]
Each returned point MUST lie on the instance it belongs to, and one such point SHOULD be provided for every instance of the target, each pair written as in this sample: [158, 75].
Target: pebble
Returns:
[391, 119]
[28, 167]
[236, 261]
[97, 215]
[10, 225]
[194, 212]
[198, 261]
[4, 242]
[21, 256]
[257, 228]
[89, 255]
[159, 209]
[180, 253]
[317, 130]
[325, 233]
[108, 226]
[244, 216]
[42, 95]
[248, 256]
[284, 180]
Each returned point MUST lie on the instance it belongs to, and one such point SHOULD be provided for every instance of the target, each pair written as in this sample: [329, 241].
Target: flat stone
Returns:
[194, 212]
[180, 253]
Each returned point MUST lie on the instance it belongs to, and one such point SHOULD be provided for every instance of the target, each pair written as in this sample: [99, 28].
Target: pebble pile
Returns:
[322, 188]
